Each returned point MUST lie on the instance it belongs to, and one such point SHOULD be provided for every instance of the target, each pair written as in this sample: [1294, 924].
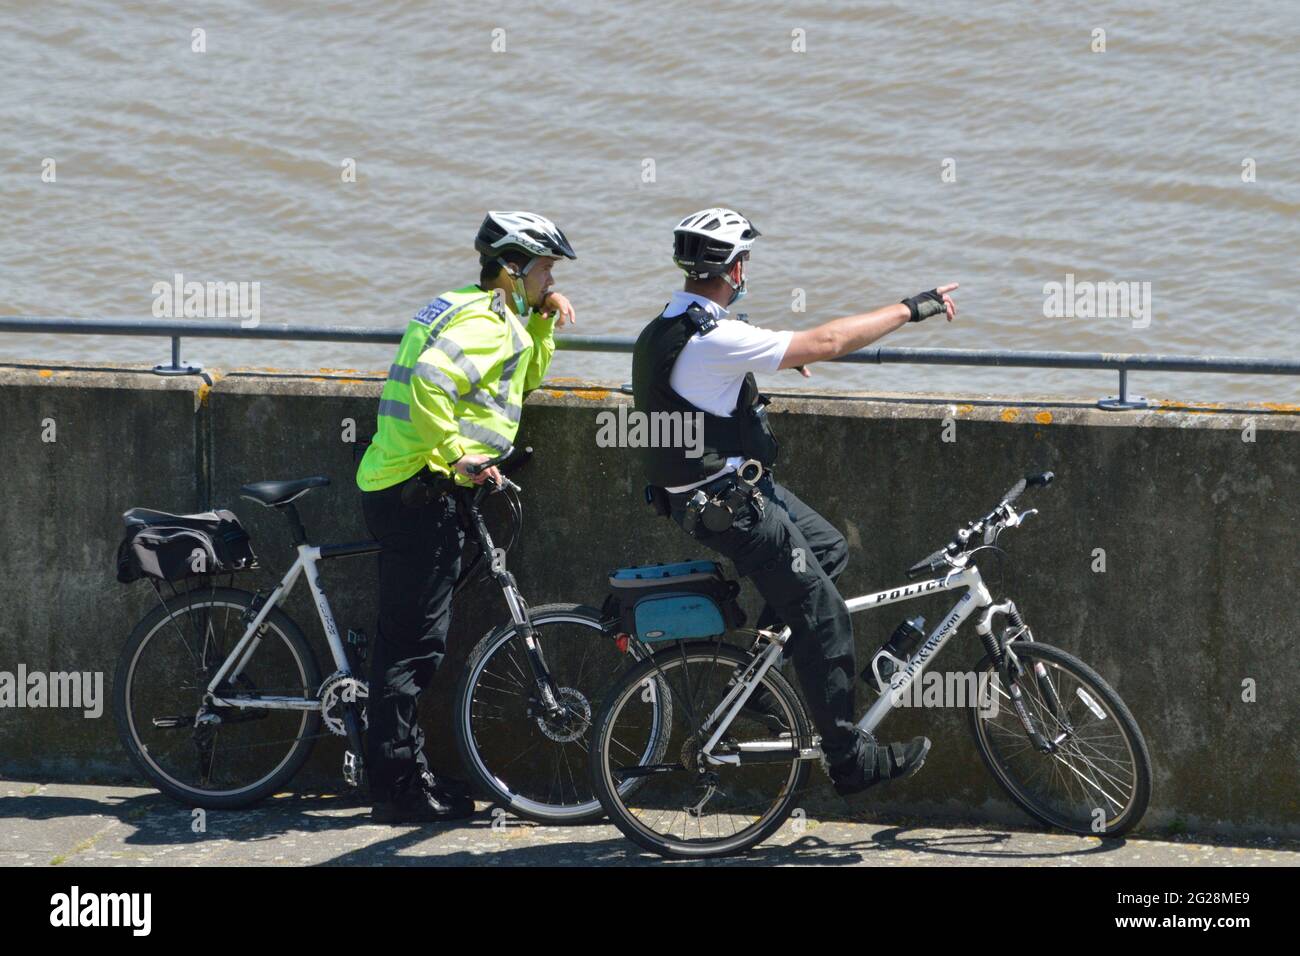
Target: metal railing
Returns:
[1121, 362]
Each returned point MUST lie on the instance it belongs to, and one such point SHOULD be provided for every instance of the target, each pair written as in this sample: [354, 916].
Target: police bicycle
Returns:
[1061, 743]
[219, 699]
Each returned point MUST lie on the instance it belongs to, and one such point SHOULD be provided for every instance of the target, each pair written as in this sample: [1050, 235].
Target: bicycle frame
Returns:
[242, 653]
[975, 598]
[305, 564]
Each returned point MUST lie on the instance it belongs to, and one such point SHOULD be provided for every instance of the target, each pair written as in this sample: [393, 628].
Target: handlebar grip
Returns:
[930, 562]
[1045, 478]
[523, 456]
[1016, 491]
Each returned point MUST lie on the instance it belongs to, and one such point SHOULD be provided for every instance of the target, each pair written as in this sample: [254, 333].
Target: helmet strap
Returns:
[518, 293]
[738, 288]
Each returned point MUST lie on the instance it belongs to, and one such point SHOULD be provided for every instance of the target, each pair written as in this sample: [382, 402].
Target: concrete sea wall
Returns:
[1164, 555]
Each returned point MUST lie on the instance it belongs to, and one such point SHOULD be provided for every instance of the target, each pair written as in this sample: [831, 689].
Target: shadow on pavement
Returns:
[492, 838]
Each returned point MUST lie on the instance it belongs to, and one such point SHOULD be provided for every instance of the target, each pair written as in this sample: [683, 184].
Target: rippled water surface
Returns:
[225, 165]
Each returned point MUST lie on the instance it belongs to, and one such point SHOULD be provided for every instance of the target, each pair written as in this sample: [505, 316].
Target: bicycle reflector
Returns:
[621, 642]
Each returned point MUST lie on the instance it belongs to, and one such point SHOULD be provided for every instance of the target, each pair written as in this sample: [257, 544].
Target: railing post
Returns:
[1123, 401]
[176, 368]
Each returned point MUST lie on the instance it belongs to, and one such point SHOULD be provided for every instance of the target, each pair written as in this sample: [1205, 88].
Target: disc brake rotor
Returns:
[575, 720]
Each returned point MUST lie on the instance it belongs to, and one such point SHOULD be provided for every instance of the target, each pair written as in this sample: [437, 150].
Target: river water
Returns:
[881, 148]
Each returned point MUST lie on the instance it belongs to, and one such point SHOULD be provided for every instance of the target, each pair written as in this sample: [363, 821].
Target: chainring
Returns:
[340, 689]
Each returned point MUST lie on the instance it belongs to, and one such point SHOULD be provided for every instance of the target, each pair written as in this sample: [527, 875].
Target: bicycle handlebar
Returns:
[521, 458]
[1026, 482]
[510, 462]
[966, 536]
[930, 563]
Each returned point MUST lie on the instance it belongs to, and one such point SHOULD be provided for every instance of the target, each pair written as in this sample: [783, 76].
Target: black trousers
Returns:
[793, 555]
[418, 568]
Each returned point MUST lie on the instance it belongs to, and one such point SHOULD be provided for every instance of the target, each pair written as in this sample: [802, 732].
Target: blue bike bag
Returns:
[674, 602]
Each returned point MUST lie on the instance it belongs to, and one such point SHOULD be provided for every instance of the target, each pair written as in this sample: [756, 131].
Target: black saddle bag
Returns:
[167, 547]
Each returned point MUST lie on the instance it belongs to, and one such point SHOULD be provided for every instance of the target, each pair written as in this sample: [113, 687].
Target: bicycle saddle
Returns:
[276, 493]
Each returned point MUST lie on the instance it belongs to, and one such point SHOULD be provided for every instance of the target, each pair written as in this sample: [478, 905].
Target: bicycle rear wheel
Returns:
[1097, 781]
[240, 755]
[685, 805]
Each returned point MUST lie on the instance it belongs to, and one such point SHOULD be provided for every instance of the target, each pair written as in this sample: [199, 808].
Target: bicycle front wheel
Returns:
[533, 764]
[226, 757]
[685, 804]
[1096, 781]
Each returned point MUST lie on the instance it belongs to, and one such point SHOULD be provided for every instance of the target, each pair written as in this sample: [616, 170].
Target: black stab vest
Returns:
[746, 433]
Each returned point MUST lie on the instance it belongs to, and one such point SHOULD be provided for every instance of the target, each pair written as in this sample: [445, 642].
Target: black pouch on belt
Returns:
[717, 512]
[721, 510]
[424, 488]
[694, 506]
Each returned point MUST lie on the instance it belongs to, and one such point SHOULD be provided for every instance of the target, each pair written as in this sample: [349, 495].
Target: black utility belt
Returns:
[715, 505]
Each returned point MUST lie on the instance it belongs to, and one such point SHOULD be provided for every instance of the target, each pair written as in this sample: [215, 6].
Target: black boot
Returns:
[431, 799]
[869, 763]
[445, 785]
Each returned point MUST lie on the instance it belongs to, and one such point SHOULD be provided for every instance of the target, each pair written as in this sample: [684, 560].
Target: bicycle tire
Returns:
[1131, 815]
[128, 659]
[626, 820]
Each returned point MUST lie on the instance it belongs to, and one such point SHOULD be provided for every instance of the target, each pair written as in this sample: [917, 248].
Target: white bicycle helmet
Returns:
[522, 231]
[707, 242]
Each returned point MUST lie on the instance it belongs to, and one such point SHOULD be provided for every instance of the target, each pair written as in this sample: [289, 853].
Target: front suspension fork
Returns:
[1010, 671]
[547, 692]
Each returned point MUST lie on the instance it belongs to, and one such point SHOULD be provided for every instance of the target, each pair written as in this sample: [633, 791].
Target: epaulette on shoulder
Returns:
[699, 317]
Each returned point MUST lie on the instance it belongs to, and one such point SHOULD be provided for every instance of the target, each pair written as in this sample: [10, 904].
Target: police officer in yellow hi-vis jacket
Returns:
[453, 398]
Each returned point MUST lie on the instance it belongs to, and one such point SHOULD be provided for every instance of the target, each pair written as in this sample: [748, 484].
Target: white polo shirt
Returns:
[711, 368]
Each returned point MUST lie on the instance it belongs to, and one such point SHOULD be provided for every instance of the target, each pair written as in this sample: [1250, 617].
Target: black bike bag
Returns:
[170, 547]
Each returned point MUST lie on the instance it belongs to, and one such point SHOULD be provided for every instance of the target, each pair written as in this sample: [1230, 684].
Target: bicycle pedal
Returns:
[353, 770]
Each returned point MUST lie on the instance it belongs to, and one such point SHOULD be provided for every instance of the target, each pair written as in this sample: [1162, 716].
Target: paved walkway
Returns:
[127, 826]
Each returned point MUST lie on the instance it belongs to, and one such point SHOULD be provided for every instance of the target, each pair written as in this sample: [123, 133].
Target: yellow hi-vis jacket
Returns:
[456, 387]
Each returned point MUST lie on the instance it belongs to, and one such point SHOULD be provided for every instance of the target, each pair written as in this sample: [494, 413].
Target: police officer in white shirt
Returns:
[697, 357]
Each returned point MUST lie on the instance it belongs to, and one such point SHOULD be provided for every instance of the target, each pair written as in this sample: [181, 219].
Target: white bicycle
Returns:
[1062, 744]
[219, 699]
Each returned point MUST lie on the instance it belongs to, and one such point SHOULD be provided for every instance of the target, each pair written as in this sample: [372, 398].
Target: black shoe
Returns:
[444, 785]
[870, 763]
[422, 804]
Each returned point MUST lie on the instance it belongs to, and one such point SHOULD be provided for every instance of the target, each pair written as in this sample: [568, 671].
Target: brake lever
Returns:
[502, 485]
[1014, 519]
[956, 564]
